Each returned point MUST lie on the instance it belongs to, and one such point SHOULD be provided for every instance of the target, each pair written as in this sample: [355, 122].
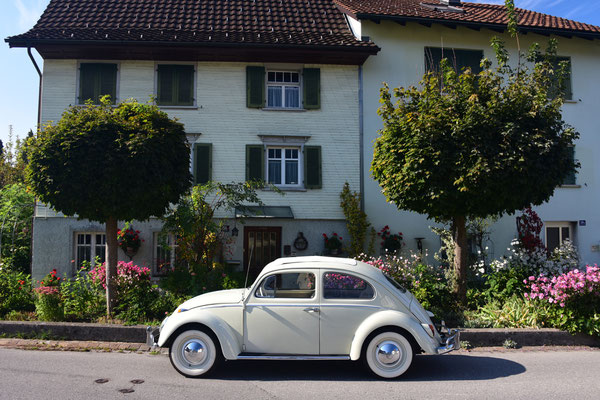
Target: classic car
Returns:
[305, 308]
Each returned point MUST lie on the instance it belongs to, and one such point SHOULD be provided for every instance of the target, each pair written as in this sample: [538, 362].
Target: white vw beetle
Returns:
[305, 308]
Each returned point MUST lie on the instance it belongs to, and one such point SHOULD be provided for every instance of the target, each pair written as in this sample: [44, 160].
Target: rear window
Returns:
[395, 283]
[345, 286]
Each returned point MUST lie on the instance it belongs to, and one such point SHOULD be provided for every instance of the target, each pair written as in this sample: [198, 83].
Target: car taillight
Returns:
[429, 329]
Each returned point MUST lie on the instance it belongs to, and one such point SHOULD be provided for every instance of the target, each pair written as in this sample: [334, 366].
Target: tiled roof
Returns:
[261, 22]
[473, 13]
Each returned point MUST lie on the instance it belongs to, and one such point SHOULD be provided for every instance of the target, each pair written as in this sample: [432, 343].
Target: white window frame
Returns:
[559, 225]
[93, 245]
[78, 77]
[195, 84]
[300, 149]
[283, 86]
[156, 244]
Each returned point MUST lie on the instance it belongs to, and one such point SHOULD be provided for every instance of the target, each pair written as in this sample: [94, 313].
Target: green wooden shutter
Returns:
[202, 163]
[311, 78]
[165, 85]
[255, 165]
[255, 87]
[108, 81]
[571, 178]
[185, 85]
[312, 167]
[88, 73]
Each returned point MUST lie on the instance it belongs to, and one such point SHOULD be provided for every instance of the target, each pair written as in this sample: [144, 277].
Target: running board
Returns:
[250, 356]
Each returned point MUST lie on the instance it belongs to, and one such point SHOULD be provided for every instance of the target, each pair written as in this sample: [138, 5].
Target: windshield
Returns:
[395, 283]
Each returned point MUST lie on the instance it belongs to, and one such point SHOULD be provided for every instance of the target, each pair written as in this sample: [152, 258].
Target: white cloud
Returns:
[29, 12]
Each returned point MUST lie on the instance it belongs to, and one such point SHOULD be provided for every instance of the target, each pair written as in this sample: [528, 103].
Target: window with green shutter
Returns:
[460, 59]
[311, 78]
[175, 85]
[202, 163]
[97, 80]
[556, 63]
[255, 164]
[312, 167]
[255, 87]
[571, 179]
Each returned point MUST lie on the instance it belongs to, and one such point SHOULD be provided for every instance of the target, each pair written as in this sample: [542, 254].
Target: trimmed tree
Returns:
[465, 145]
[106, 164]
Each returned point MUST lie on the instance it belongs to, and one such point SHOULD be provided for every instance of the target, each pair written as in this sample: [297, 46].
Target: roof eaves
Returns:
[472, 24]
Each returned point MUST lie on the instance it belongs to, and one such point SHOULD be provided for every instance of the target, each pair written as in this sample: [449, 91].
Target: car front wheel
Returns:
[389, 354]
[194, 353]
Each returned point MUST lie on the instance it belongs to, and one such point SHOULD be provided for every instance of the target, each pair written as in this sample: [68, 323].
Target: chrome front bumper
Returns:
[451, 340]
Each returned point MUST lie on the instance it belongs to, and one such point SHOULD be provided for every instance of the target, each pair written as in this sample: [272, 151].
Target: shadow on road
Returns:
[454, 367]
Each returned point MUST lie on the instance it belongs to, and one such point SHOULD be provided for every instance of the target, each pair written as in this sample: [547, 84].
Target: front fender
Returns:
[230, 346]
[391, 318]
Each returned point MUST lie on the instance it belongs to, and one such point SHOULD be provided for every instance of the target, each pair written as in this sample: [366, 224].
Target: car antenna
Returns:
[249, 264]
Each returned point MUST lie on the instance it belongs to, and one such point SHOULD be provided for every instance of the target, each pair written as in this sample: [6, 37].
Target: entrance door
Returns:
[263, 243]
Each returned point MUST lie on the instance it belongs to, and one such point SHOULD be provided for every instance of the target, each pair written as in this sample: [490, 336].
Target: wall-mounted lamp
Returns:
[235, 231]
[420, 244]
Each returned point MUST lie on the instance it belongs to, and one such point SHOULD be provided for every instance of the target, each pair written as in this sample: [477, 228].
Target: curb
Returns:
[88, 332]
[75, 331]
[526, 337]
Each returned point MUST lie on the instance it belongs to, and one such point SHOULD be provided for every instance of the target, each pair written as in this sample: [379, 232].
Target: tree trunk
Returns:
[112, 259]
[461, 255]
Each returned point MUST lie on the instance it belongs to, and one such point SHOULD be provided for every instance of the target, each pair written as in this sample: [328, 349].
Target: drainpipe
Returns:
[361, 138]
[39, 126]
[39, 116]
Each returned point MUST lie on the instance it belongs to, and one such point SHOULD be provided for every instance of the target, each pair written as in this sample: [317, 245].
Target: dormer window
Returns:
[283, 89]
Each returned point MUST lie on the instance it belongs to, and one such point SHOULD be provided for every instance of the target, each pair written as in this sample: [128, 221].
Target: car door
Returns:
[282, 314]
[346, 301]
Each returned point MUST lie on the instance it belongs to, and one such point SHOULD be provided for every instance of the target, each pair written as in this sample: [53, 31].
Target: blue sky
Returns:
[19, 80]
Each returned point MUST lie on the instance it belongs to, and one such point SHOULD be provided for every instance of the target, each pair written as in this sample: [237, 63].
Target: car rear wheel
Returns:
[389, 355]
[194, 353]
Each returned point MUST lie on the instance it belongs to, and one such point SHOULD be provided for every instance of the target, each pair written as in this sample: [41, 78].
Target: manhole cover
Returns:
[103, 380]
[126, 390]
[137, 381]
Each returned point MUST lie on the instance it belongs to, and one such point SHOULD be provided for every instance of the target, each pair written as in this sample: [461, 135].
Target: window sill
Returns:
[285, 189]
[284, 109]
[569, 186]
[571, 101]
[179, 107]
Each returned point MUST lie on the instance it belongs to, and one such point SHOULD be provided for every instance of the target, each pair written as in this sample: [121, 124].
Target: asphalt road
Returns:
[27, 374]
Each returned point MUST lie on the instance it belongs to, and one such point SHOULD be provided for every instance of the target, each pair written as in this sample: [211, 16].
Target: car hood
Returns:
[231, 296]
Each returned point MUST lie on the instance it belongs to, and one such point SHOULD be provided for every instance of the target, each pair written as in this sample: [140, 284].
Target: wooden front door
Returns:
[264, 244]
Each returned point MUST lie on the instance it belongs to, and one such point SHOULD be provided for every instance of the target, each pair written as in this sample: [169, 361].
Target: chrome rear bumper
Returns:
[451, 340]
[152, 337]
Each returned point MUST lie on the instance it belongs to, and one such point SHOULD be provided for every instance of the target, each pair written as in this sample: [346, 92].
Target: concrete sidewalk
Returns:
[77, 345]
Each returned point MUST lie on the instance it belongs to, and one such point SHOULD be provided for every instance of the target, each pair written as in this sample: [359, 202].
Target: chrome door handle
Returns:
[312, 309]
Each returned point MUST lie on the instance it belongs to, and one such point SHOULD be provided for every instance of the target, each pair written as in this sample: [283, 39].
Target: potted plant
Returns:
[390, 243]
[129, 240]
[333, 243]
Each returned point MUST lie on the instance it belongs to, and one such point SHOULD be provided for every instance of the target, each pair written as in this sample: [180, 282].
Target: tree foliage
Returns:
[16, 213]
[465, 145]
[128, 162]
[356, 220]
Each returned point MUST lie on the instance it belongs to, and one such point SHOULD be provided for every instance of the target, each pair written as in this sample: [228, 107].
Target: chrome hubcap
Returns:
[194, 352]
[388, 353]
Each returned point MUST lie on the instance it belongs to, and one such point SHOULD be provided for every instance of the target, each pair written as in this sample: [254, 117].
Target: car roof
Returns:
[347, 264]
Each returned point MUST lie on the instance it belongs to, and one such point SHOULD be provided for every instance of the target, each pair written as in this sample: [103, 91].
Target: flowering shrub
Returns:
[575, 296]
[334, 242]
[529, 226]
[48, 301]
[390, 242]
[128, 238]
[15, 292]
[83, 299]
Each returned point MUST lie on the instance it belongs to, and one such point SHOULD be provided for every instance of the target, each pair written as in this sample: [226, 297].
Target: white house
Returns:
[265, 89]
[410, 32]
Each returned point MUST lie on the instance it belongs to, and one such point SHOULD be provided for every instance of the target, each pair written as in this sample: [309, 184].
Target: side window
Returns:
[344, 286]
[97, 80]
[567, 89]
[291, 285]
[460, 59]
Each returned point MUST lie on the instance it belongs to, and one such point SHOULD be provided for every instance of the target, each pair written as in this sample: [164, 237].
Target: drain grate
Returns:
[102, 380]
[129, 390]
[137, 381]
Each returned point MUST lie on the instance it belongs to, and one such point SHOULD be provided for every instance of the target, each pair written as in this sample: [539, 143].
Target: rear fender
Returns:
[230, 345]
[396, 319]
